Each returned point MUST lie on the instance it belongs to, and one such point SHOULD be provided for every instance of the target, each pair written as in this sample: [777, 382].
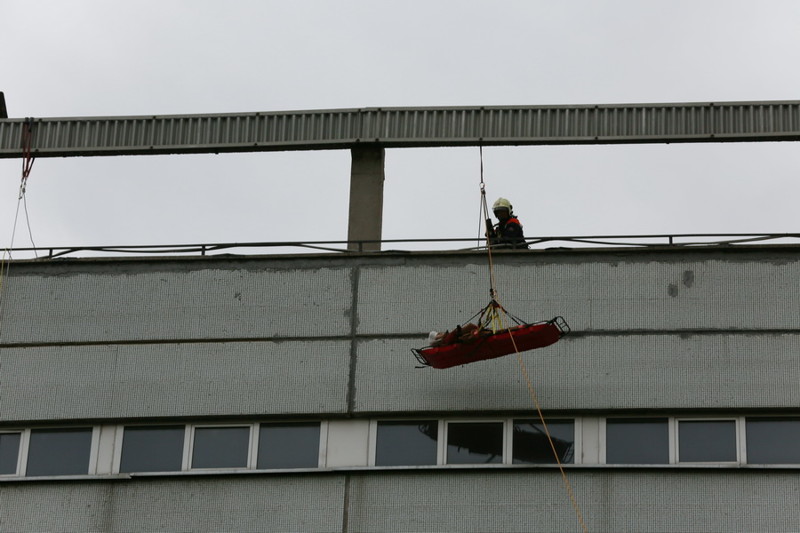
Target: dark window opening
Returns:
[773, 440]
[531, 445]
[59, 452]
[474, 442]
[637, 441]
[701, 441]
[152, 449]
[9, 453]
[294, 445]
[221, 447]
[406, 443]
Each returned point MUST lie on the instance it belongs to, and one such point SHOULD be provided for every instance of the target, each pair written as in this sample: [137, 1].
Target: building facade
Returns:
[279, 393]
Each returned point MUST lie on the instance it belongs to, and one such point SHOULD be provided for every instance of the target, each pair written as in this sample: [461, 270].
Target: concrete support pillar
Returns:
[366, 197]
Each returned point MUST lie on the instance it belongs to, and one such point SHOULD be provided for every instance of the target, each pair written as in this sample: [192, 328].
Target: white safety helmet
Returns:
[502, 203]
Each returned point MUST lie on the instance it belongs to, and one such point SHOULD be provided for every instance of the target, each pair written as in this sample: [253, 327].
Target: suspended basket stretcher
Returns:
[468, 344]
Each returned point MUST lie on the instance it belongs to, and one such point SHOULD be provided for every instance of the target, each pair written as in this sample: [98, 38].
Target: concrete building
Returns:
[279, 393]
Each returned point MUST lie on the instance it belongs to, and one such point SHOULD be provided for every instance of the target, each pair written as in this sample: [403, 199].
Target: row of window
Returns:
[639, 441]
[267, 446]
[162, 448]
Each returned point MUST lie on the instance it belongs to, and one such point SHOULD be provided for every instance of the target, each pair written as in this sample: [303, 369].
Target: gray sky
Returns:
[104, 58]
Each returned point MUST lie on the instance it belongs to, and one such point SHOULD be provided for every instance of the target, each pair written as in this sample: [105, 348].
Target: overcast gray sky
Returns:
[62, 58]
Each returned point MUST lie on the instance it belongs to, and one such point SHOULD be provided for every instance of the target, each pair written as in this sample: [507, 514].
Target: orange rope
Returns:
[535, 399]
[523, 368]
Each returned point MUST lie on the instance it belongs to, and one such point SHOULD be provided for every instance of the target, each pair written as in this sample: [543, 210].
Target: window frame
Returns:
[577, 434]
[507, 458]
[322, 453]
[504, 446]
[187, 450]
[24, 451]
[119, 441]
[744, 437]
[372, 445]
[673, 437]
[603, 435]
[20, 455]
[737, 432]
[188, 447]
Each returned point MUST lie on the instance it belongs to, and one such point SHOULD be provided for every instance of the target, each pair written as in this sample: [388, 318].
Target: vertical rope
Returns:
[486, 216]
[538, 406]
[27, 166]
[5, 263]
[496, 317]
[564, 477]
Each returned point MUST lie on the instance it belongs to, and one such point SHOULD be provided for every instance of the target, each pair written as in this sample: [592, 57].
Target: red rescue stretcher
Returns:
[488, 345]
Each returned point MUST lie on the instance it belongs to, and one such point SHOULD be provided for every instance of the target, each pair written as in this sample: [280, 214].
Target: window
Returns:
[9, 453]
[637, 441]
[773, 440]
[59, 452]
[531, 446]
[701, 441]
[406, 443]
[221, 447]
[474, 442]
[152, 449]
[293, 445]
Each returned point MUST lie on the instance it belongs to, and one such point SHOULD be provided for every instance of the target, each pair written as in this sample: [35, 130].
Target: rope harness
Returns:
[494, 314]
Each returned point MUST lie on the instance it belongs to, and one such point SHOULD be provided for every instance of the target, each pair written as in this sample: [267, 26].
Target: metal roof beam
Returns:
[406, 127]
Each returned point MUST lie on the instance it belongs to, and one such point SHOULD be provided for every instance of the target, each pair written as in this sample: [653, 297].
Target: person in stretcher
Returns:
[461, 334]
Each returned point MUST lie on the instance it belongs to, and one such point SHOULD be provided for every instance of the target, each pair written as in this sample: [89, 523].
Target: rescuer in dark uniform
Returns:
[507, 233]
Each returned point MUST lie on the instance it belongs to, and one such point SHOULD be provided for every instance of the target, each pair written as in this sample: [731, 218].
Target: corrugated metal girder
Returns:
[405, 127]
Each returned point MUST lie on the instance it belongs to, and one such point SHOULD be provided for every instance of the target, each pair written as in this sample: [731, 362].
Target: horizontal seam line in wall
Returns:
[419, 337]
[753, 469]
[685, 331]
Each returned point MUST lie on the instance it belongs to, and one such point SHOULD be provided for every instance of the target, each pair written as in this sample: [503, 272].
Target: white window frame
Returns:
[741, 440]
[20, 455]
[577, 447]
[188, 449]
[441, 442]
[671, 440]
[322, 453]
[119, 441]
[24, 449]
[675, 439]
[444, 424]
[508, 439]
[743, 435]
[373, 440]
[673, 424]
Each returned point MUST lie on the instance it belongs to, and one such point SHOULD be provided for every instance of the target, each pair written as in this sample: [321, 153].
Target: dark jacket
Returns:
[508, 234]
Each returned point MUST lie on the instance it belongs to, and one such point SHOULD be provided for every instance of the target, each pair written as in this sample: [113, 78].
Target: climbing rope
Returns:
[5, 262]
[27, 164]
[26, 144]
[494, 312]
[536, 403]
[485, 216]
